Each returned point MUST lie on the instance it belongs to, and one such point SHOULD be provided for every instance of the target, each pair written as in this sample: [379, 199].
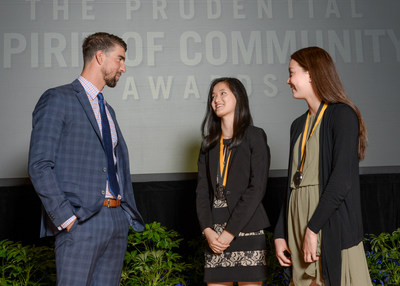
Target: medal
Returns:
[220, 194]
[297, 177]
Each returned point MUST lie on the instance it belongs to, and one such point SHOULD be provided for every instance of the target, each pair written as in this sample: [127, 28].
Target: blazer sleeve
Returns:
[344, 166]
[47, 127]
[203, 203]
[255, 191]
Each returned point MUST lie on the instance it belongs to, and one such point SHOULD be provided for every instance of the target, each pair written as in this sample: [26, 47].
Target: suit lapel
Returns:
[84, 101]
[120, 141]
[213, 164]
[231, 163]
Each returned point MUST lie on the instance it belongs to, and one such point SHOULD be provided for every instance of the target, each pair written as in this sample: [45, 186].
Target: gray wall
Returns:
[176, 47]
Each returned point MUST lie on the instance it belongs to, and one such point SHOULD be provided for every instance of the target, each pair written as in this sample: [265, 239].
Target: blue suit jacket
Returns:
[67, 160]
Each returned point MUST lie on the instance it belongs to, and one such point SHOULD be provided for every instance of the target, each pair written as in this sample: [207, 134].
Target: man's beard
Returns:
[111, 81]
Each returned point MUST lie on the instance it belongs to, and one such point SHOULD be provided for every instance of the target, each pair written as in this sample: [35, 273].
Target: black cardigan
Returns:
[245, 187]
[338, 213]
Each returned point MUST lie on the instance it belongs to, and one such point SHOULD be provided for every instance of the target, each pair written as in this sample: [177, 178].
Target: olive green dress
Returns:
[302, 204]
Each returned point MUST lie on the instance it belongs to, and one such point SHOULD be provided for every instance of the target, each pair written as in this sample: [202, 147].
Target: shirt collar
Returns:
[90, 89]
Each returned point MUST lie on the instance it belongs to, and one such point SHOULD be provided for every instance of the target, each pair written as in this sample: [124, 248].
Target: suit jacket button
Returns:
[228, 192]
[105, 170]
[103, 192]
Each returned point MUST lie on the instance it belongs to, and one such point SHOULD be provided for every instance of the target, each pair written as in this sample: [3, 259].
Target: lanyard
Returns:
[302, 146]
[223, 163]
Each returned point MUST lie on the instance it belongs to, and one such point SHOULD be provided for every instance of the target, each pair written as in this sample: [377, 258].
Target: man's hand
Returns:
[70, 225]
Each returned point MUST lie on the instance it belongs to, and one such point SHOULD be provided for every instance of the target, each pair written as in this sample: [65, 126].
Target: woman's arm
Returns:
[344, 166]
[282, 252]
[203, 204]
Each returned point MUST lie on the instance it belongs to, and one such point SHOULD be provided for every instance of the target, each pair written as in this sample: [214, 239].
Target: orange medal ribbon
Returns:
[223, 166]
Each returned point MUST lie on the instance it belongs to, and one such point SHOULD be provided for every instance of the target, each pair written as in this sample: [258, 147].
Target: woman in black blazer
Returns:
[319, 232]
[232, 178]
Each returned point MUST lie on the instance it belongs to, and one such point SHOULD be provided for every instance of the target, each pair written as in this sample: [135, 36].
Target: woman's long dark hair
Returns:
[328, 86]
[211, 126]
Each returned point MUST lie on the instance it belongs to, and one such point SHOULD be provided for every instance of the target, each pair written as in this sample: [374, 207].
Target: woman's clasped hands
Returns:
[218, 243]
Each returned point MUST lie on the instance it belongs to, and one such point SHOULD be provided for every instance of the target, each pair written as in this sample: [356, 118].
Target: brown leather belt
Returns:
[111, 203]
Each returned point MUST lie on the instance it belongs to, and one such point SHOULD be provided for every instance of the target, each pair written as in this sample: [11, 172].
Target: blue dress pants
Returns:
[92, 252]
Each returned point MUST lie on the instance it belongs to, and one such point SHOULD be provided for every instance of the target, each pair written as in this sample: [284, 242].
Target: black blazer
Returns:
[245, 187]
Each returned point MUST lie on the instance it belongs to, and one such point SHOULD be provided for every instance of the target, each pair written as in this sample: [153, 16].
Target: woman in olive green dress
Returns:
[319, 231]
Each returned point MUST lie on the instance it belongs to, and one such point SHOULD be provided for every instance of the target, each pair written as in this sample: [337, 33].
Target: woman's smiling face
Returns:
[299, 81]
[223, 100]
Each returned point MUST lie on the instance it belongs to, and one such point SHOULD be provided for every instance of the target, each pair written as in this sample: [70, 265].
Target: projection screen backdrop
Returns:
[176, 47]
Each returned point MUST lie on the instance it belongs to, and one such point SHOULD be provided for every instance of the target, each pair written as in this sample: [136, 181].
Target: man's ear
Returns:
[99, 57]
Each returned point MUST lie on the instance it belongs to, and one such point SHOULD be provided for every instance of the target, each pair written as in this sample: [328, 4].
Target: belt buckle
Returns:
[108, 202]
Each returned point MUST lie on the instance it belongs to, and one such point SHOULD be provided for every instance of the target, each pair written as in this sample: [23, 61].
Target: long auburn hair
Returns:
[211, 126]
[328, 86]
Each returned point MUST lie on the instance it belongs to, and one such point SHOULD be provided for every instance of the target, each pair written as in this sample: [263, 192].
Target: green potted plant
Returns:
[26, 265]
[383, 257]
[151, 258]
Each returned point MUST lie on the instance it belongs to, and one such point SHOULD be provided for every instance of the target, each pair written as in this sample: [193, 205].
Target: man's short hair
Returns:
[100, 41]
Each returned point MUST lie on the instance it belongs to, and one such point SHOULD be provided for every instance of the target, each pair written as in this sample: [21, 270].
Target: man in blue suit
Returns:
[79, 166]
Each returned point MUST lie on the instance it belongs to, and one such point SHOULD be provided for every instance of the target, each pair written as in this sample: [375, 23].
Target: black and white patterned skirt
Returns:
[243, 260]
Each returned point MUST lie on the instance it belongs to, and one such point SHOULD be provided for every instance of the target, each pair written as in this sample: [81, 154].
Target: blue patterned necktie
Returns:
[107, 141]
